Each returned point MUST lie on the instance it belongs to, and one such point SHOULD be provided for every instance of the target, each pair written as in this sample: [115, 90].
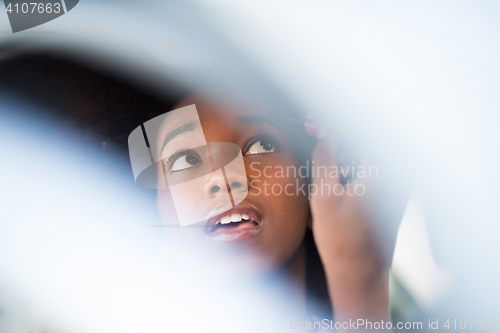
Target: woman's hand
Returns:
[346, 229]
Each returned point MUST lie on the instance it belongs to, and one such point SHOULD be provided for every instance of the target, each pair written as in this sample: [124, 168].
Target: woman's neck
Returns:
[292, 288]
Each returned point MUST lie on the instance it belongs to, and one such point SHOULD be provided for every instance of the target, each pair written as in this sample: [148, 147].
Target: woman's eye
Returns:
[184, 162]
[261, 147]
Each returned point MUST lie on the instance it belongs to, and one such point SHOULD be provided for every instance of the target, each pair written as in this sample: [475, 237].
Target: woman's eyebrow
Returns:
[179, 130]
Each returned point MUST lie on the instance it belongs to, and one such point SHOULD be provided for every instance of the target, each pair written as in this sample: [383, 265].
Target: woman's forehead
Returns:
[223, 109]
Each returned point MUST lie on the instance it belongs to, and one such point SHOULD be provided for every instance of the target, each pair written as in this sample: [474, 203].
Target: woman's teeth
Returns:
[233, 218]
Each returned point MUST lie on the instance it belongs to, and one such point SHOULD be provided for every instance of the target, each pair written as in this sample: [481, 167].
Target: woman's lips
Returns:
[237, 224]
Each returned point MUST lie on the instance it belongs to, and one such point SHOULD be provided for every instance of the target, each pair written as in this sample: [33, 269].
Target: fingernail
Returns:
[311, 126]
[313, 129]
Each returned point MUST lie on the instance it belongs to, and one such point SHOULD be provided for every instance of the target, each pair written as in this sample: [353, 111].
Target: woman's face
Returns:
[268, 225]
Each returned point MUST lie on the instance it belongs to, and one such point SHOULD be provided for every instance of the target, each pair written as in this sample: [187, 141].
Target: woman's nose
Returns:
[238, 184]
[235, 185]
[216, 185]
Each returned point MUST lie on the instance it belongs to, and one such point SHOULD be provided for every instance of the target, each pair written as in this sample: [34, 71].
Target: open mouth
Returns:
[236, 224]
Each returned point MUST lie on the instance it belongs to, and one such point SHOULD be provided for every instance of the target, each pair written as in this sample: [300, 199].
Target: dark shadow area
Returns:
[95, 106]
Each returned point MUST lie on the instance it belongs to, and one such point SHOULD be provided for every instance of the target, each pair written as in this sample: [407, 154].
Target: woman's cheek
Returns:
[276, 180]
[166, 207]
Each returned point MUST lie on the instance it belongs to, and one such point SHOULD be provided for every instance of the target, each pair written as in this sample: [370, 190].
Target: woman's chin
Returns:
[221, 268]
